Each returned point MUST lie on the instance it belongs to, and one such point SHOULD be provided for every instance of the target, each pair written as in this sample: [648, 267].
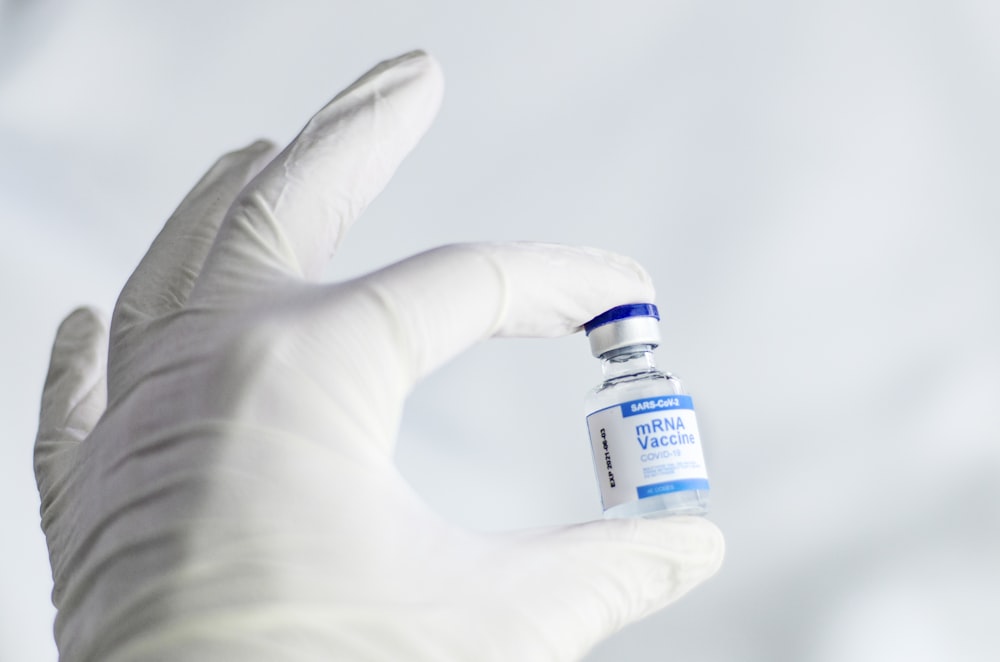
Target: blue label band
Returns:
[671, 486]
[661, 403]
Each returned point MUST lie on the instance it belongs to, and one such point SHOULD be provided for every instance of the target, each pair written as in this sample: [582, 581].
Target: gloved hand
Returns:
[228, 491]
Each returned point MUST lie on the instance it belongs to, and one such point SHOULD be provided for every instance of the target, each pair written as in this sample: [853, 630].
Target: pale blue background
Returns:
[813, 185]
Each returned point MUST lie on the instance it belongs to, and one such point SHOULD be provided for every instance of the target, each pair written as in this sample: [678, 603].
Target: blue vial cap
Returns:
[622, 312]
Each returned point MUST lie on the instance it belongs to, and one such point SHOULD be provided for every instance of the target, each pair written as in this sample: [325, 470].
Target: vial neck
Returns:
[632, 360]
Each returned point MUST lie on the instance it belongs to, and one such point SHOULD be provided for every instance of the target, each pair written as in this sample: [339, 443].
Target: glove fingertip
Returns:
[415, 65]
[682, 537]
[77, 367]
[590, 580]
[695, 539]
[74, 395]
[82, 321]
[665, 557]
[81, 339]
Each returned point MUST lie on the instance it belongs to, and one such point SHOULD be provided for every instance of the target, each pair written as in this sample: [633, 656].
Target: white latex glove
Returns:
[228, 491]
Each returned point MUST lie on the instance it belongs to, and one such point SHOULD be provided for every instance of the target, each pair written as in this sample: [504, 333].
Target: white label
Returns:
[647, 447]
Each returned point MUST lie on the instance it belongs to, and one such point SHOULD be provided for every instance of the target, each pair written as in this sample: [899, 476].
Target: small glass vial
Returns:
[642, 425]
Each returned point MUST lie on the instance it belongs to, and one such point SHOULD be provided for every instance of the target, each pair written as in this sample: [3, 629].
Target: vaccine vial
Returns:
[647, 448]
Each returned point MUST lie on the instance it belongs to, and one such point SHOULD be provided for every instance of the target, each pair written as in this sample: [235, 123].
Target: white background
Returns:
[813, 185]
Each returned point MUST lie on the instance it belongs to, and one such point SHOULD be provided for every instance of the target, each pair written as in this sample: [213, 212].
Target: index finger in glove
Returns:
[436, 304]
[291, 218]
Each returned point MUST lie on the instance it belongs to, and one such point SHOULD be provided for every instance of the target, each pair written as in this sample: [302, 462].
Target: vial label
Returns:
[647, 447]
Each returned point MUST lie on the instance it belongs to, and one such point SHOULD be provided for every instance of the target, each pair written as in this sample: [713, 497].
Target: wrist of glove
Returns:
[215, 466]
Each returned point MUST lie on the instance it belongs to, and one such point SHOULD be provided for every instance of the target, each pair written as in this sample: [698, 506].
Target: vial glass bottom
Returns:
[687, 502]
